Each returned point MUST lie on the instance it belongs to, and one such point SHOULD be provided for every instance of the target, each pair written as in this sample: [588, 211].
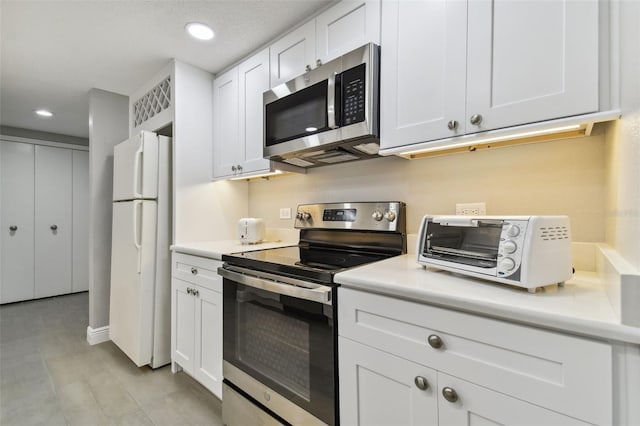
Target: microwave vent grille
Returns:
[552, 233]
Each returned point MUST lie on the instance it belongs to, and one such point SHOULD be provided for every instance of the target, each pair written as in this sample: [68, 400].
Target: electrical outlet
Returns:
[471, 209]
[285, 213]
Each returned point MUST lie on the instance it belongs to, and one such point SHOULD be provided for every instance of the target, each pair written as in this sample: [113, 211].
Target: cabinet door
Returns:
[16, 221]
[423, 71]
[519, 72]
[80, 195]
[183, 306]
[254, 81]
[293, 53]
[208, 343]
[474, 405]
[53, 184]
[347, 26]
[228, 150]
[377, 388]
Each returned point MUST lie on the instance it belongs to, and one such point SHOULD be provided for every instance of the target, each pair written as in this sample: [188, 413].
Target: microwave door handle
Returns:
[331, 102]
[320, 294]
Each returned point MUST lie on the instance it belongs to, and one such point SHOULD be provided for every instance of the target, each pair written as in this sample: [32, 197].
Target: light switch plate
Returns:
[285, 213]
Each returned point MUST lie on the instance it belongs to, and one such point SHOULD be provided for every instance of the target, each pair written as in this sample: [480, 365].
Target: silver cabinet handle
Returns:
[452, 124]
[233, 168]
[196, 292]
[194, 271]
[307, 68]
[13, 228]
[54, 227]
[421, 383]
[450, 394]
[318, 62]
[189, 291]
[435, 341]
[476, 119]
[239, 168]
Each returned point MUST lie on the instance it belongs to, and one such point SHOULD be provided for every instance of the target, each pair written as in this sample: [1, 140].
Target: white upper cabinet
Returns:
[227, 149]
[423, 70]
[291, 55]
[254, 81]
[519, 72]
[238, 118]
[457, 67]
[347, 25]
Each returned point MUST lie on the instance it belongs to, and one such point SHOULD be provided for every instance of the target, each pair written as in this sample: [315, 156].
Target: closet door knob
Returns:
[54, 227]
[13, 228]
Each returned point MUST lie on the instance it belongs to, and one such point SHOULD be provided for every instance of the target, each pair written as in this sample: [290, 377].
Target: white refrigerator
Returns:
[140, 306]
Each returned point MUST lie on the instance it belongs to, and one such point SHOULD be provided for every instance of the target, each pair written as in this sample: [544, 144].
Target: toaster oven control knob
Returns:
[509, 246]
[377, 216]
[390, 216]
[513, 231]
[507, 264]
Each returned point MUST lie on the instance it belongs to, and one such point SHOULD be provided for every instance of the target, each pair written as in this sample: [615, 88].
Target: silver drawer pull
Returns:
[196, 293]
[450, 394]
[54, 227]
[13, 228]
[421, 383]
[435, 341]
[194, 271]
[189, 291]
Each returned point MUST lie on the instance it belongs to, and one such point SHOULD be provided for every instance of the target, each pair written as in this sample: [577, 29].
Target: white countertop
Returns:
[580, 307]
[215, 249]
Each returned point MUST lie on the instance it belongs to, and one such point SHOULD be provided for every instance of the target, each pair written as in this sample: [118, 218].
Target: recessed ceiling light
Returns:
[44, 113]
[199, 31]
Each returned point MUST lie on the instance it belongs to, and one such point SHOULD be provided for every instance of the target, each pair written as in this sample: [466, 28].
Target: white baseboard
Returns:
[98, 335]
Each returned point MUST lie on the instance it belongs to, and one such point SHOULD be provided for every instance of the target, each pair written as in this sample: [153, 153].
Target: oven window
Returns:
[283, 342]
[298, 114]
[475, 246]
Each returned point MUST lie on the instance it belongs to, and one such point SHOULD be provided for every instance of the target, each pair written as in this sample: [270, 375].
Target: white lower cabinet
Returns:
[196, 320]
[406, 363]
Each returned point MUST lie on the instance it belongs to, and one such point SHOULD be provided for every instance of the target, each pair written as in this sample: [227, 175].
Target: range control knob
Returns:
[306, 215]
[390, 216]
[507, 264]
[509, 246]
[513, 231]
[377, 216]
[299, 215]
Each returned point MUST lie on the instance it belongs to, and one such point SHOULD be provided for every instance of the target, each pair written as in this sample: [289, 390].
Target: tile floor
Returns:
[50, 375]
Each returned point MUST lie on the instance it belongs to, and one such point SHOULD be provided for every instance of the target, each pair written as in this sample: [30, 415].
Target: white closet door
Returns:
[16, 221]
[80, 281]
[53, 179]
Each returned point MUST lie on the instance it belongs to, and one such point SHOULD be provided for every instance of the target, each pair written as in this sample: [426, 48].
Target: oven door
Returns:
[279, 344]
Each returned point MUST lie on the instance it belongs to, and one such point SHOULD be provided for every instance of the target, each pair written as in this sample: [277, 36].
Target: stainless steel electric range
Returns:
[280, 313]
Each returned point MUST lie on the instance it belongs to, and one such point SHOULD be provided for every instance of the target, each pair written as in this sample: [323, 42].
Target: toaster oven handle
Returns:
[318, 293]
[456, 221]
[331, 102]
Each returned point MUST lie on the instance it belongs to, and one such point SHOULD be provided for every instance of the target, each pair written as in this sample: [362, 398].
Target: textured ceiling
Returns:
[53, 52]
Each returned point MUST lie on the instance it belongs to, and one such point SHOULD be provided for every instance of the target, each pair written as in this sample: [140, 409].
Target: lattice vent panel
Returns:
[153, 102]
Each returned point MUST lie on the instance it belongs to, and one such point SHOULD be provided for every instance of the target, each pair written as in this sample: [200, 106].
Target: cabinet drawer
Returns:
[567, 374]
[197, 270]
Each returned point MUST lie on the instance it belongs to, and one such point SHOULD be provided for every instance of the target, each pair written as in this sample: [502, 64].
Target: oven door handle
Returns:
[320, 293]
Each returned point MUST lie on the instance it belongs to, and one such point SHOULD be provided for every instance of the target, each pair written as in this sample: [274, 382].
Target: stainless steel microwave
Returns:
[328, 115]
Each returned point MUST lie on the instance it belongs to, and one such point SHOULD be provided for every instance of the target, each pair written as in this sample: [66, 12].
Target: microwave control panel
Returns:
[353, 95]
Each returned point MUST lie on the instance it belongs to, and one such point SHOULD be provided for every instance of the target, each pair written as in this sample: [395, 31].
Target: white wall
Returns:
[108, 126]
[623, 145]
[559, 177]
[204, 210]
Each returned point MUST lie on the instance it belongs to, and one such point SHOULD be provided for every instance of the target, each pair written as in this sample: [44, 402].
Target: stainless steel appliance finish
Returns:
[328, 115]
[279, 312]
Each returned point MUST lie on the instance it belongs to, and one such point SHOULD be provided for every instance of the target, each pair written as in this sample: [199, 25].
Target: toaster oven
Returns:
[524, 251]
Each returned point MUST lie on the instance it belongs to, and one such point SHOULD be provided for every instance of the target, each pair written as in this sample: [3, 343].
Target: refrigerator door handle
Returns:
[137, 178]
[137, 204]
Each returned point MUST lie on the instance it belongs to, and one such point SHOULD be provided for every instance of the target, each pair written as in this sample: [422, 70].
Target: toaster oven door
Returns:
[476, 245]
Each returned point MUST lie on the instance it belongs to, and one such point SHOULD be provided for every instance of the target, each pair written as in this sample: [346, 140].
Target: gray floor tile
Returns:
[50, 375]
